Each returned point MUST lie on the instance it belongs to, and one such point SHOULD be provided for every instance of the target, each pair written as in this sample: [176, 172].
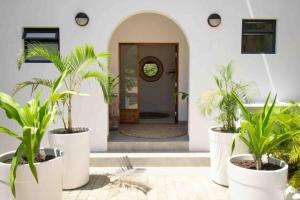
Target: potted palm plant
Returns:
[75, 141]
[221, 136]
[31, 172]
[258, 175]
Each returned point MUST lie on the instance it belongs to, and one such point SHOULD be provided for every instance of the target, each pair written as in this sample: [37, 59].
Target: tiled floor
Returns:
[190, 183]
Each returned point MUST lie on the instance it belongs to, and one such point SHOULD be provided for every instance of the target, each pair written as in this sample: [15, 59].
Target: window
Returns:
[49, 37]
[258, 36]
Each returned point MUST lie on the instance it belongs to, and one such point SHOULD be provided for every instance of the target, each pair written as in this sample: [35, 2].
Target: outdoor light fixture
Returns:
[214, 20]
[82, 19]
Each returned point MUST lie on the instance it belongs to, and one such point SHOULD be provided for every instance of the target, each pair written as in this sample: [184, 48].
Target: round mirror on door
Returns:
[151, 69]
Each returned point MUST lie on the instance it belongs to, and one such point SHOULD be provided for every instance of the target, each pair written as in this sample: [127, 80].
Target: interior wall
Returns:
[158, 96]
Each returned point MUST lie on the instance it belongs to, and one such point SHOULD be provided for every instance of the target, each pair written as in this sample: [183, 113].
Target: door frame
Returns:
[138, 44]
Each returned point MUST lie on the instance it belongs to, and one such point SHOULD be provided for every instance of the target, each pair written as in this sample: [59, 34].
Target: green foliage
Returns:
[108, 83]
[222, 99]
[259, 130]
[150, 69]
[75, 65]
[184, 95]
[33, 118]
[289, 151]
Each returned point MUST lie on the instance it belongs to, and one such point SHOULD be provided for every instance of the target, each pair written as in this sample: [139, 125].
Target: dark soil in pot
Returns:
[250, 164]
[39, 159]
[70, 131]
[221, 130]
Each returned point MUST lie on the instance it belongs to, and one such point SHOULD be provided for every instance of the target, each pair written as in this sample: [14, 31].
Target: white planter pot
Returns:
[220, 147]
[249, 184]
[76, 159]
[49, 176]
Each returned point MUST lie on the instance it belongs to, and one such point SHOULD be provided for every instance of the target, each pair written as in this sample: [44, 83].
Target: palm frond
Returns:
[222, 99]
[40, 50]
[81, 57]
[295, 179]
[208, 101]
[34, 84]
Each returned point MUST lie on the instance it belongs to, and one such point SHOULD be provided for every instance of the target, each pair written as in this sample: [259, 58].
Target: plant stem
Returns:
[70, 114]
[258, 164]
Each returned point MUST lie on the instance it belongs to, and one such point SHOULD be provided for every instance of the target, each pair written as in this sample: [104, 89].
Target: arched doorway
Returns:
[152, 87]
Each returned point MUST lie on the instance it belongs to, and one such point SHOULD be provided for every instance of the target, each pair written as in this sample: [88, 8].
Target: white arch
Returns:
[183, 51]
[132, 14]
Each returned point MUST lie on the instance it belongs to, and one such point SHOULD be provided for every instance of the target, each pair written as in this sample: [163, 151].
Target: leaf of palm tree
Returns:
[246, 113]
[81, 57]
[208, 101]
[11, 108]
[103, 79]
[13, 168]
[35, 83]
[10, 133]
[41, 50]
[29, 149]
[268, 112]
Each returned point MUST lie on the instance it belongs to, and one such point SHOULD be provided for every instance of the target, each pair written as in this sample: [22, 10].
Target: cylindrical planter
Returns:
[249, 184]
[49, 176]
[220, 149]
[76, 147]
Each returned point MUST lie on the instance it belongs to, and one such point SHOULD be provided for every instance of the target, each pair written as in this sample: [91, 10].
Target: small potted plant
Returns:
[75, 141]
[31, 172]
[221, 136]
[258, 175]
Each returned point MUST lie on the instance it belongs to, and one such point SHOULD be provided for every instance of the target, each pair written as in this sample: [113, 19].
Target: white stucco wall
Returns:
[207, 48]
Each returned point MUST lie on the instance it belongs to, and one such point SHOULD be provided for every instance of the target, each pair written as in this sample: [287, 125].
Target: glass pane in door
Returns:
[128, 76]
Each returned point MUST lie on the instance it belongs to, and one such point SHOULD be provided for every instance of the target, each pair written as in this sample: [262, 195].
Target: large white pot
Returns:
[76, 147]
[220, 148]
[249, 184]
[49, 176]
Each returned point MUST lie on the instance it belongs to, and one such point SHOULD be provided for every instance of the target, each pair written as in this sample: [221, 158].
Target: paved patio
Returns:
[164, 183]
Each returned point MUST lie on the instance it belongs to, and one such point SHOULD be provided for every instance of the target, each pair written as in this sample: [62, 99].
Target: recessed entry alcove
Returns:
[150, 56]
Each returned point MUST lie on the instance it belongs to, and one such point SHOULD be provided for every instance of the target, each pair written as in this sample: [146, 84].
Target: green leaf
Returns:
[13, 168]
[232, 146]
[57, 82]
[246, 113]
[40, 50]
[269, 111]
[34, 84]
[29, 149]
[10, 133]
[11, 108]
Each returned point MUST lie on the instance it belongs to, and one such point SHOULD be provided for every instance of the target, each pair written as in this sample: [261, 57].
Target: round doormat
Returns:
[153, 115]
[153, 131]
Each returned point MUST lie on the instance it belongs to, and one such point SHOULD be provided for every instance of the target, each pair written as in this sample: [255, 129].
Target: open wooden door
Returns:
[129, 83]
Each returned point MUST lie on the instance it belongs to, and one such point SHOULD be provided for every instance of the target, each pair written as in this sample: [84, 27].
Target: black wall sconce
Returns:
[214, 20]
[82, 19]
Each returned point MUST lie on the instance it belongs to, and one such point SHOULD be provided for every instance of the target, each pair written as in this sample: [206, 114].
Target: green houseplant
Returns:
[252, 174]
[220, 137]
[33, 119]
[75, 141]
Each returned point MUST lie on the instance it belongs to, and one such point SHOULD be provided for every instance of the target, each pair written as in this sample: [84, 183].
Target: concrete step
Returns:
[180, 159]
[146, 146]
